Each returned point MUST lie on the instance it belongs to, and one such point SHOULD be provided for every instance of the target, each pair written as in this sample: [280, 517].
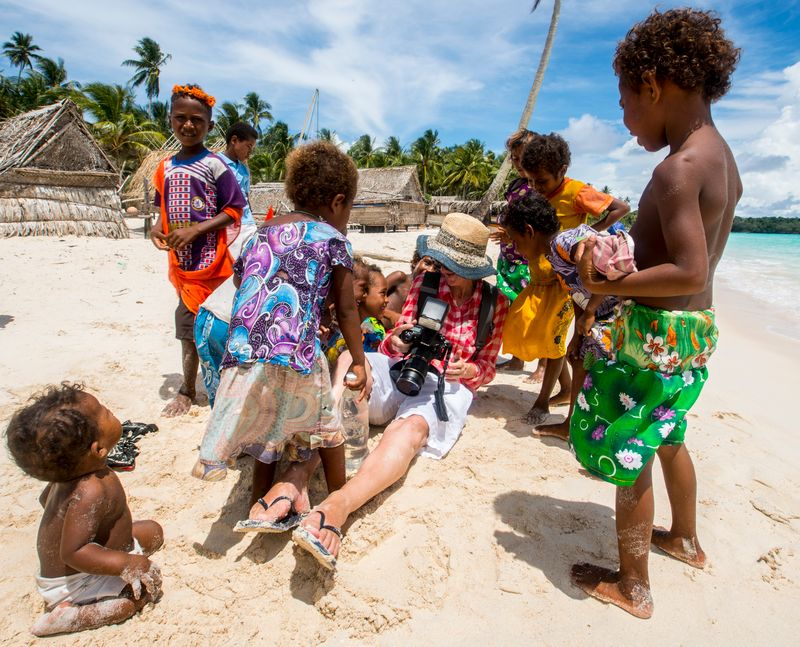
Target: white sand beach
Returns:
[471, 550]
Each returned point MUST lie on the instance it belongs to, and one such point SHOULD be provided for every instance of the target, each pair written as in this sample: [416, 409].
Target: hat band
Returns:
[463, 252]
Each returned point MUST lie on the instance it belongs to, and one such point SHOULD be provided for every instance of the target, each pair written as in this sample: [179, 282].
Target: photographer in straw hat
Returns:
[459, 254]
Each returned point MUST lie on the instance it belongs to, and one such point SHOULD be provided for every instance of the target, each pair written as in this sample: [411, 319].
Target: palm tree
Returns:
[159, 115]
[467, 169]
[482, 210]
[148, 66]
[228, 114]
[20, 50]
[393, 152]
[425, 152]
[256, 110]
[121, 127]
[364, 153]
[53, 72]
[327, 135]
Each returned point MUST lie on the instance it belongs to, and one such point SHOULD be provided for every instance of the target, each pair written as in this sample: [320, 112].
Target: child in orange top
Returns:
[540, 317]
[201, 208]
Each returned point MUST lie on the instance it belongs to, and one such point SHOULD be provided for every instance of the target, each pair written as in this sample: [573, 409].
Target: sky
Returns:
[461, 67]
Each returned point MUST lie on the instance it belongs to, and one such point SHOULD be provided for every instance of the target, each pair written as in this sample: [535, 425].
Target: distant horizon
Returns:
[466, 74]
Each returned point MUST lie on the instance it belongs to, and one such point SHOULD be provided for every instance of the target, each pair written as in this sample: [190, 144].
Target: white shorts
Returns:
[386, 403]
[82, 588]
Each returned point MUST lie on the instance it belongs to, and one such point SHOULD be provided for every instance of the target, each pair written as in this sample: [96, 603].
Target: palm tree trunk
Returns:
[482, 210]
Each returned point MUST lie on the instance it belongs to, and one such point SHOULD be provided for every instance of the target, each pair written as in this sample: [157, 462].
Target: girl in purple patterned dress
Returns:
[275, 390]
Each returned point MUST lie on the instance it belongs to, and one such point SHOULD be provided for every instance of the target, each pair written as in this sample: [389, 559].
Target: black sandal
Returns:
[291, 520]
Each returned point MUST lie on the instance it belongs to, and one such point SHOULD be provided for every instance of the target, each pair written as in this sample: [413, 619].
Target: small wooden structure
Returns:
[389, 197]
[441, 205]
[54, 178]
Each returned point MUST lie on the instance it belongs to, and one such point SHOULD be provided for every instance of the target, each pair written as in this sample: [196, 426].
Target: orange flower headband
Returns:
[195, 93]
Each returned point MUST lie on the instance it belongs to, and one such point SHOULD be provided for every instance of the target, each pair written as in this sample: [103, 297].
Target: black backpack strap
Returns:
[485, 317]
[429, 288]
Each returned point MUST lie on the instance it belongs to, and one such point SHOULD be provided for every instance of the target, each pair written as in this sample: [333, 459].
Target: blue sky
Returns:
[463, 68]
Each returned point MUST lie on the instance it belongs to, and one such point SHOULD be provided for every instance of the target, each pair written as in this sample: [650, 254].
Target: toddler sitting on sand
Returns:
[94, 569]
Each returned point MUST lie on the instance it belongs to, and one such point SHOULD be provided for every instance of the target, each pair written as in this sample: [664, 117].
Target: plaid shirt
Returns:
[460, 329]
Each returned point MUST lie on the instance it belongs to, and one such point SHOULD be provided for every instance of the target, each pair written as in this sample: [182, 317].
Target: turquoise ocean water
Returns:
[765, 267]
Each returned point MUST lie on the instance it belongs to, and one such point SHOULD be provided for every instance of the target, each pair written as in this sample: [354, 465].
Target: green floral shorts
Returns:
[637, 400]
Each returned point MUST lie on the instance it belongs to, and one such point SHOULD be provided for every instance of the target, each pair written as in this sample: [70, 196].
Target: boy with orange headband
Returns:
[201, 207]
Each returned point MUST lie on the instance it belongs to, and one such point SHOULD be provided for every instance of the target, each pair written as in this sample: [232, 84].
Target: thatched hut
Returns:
[54, 178]
[444, 204]
[389, 197]
[266, 195]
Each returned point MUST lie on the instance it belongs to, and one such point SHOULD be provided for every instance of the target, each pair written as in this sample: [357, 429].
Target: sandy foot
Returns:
[559, 430]
[604, 584]
[680, 548]
[178, 406]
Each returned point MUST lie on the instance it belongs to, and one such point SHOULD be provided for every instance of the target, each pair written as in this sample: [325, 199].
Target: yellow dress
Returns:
[539, 318]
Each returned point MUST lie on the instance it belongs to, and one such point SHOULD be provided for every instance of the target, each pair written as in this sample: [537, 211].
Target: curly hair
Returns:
[546, 152]
[534, 210]
[519, 138]
[685, 46]
[316, 173]
[192, 91]
[50, 436]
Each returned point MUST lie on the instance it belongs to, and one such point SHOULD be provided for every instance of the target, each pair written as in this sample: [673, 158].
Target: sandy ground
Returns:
[471, 550]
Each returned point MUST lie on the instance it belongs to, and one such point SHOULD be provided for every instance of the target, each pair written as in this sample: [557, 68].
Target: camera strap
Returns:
[438, 397]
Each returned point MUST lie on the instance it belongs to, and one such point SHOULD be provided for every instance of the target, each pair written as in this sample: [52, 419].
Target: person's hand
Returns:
[142, 573]
[584, 323]
[361, 384]
[179, 238]
[500, 235]
[159, 239]
[574, 347]
[398, 344]
[590, 277]
[460, 369]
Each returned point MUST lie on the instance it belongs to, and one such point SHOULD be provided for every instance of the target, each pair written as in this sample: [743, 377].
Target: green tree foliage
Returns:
[769, 225]
[21, 51]
[148, 66]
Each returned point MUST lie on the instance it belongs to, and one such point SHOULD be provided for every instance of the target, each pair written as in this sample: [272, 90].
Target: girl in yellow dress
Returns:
[539, 319]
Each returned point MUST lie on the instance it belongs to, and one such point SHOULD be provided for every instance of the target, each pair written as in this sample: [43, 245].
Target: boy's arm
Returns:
[616, 210]
[82, 520]
[179, 238]
[675, 193]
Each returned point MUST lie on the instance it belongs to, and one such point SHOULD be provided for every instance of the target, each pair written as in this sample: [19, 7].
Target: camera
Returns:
[427, 344]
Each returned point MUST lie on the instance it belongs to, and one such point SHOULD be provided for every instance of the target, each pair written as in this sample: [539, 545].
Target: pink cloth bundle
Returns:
[613, 255]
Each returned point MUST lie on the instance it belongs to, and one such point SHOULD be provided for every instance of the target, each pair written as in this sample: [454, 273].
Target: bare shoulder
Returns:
[99, 488]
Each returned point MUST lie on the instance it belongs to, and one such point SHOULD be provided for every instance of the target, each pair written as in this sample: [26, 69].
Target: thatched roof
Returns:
[388, 184]
[269, 194]
[54, 178]
[51, 140]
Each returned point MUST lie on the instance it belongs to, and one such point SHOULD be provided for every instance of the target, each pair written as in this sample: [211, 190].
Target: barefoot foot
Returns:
[537, 415]
[298, 496]
[605, 585]
[684, 549]
[179, 405]
[559, 430]
[514, 364]
[536, 377]
[335, 515]
[562, 397]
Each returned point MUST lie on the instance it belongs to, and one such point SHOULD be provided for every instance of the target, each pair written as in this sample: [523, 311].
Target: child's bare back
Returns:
[671, 216]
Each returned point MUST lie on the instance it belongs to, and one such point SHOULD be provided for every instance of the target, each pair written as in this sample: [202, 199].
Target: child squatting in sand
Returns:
[671, 67]
[200, 210]
[94, 568]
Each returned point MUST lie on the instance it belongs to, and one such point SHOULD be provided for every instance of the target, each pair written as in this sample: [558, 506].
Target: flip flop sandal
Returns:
[135, 430]
[122, 457]
[310, 543]
[291, 520]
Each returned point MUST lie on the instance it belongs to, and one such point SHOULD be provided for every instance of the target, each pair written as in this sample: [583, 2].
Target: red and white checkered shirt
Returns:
[460, 329]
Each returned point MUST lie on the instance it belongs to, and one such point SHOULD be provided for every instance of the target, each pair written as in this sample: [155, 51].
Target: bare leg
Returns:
[680, 541]
[69, 618]
[149, 534]
[263, 476]
[628, 588]
[293, 483]
[182, 402]
[538, 374]
[561, 430]
[514, 364]
[385, 465]
[564, 385]
[541, 408]
[333, 464]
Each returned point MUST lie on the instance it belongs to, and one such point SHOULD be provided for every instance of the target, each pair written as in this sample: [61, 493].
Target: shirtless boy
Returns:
[93, 565]
[671, 67]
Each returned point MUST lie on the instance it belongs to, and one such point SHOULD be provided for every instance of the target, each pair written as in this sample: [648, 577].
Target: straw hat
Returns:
[460, 245]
